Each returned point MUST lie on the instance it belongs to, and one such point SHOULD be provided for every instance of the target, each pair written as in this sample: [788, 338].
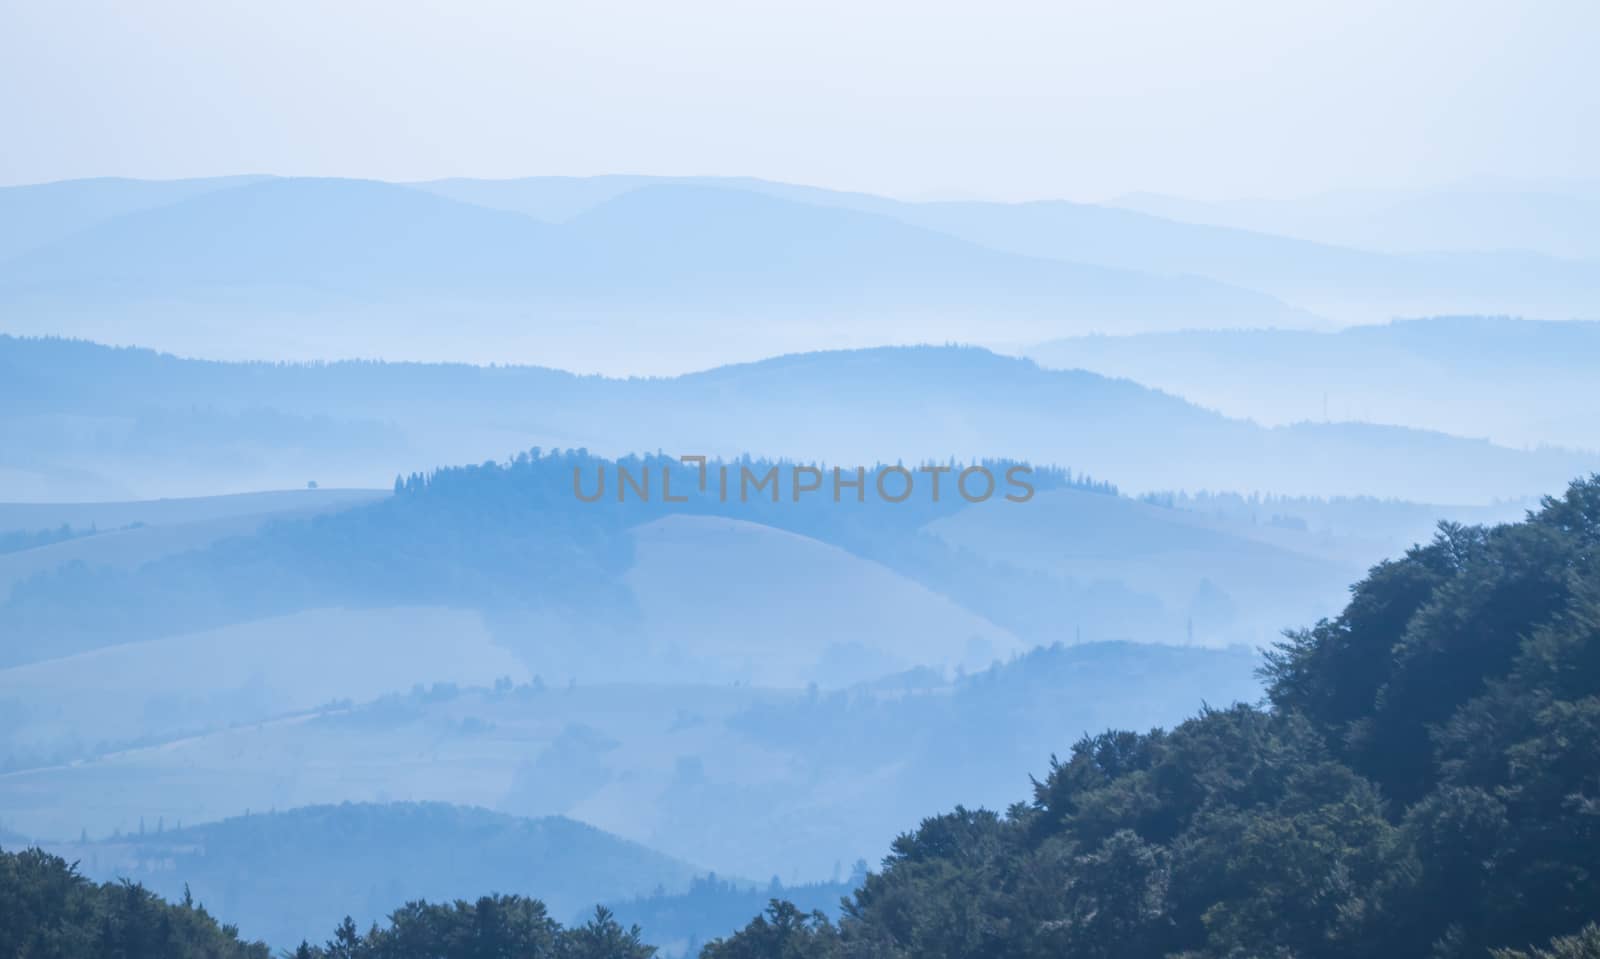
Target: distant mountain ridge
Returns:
[1345, 283]
[1555, 218]
[397, 267]
[664, 274]
[76, 408]
[36, 215]
[1519, 382]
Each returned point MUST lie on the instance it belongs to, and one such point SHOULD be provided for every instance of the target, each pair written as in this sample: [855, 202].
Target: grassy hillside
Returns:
[749, 781]
[869, 588]
[1214, 581]
[731, 599]
[141, 542]
[157, 690]
[170, 512]
[622, 591]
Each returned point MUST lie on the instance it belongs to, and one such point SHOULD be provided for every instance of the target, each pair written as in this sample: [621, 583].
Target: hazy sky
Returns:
[997, 99]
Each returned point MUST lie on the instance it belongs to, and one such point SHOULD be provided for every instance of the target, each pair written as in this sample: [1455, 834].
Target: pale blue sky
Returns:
[998, 99]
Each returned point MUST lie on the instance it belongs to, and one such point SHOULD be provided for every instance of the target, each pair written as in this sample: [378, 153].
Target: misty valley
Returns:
[600, 568]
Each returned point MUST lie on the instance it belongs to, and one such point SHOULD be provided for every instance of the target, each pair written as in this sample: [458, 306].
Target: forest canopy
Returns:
[49, 911]
[1424, 781]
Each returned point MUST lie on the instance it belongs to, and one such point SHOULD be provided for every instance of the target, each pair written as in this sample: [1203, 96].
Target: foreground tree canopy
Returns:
[1424, 782]
[49, 911]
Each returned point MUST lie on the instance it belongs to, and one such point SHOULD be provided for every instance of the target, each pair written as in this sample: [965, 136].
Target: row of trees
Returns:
[49, 911]
[494, 927]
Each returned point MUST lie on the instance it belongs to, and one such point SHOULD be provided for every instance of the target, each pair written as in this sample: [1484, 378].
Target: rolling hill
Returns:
[135, 542]
[169, 512]
[61, 709]
[749, 781]
[657, 590]
[281, 876]
[695, 603]
[727, 599]
[1213, 582]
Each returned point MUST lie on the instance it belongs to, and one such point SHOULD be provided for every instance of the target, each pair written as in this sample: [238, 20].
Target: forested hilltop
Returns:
[1422, 783]
[510, 535]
